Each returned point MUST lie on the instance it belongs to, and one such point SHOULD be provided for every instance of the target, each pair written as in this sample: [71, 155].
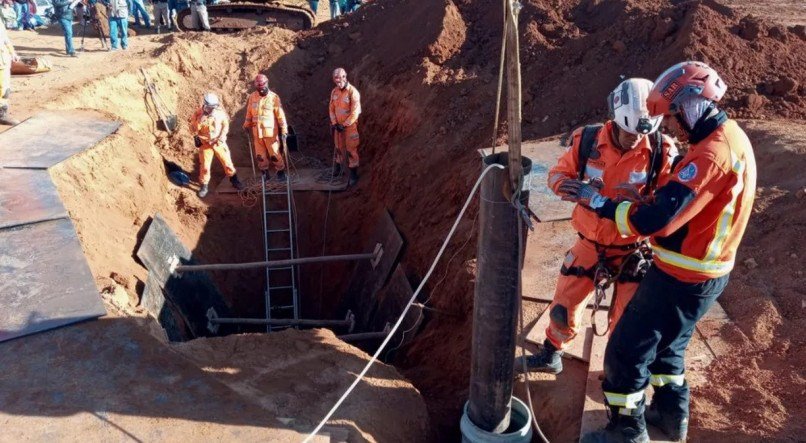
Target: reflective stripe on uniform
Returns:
[622, 221]
[712, 267]
[725, 220]
[629, 401]
[659, 380]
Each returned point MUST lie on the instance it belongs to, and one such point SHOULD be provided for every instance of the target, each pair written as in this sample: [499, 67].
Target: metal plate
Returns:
[161, 309]
[45, 281]
[301, 180]
[366, 280]
[28, 196]
[396, 294]
[192, 293]
[546, 205]
[50, 137]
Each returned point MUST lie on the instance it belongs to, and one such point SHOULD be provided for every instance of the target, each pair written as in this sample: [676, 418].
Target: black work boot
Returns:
[625, 426]
[281, 176]
[5, 119]
[669, 411]
[549, 360]
[337, 170]
[353, 176]
[266, 175]
[236, 182]
[203, 191]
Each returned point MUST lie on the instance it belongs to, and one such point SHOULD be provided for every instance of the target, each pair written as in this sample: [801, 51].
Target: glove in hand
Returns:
[586, 194]
[340, 127]
[197, 141]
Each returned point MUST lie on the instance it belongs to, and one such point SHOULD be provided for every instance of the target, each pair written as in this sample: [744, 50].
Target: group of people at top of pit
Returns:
[692, 210]
[338, 7]
[266, 124]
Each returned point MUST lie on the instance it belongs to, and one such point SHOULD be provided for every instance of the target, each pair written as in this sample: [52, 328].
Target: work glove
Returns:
[586, 194]
[629, 193]
[197, 141]
[340, 127]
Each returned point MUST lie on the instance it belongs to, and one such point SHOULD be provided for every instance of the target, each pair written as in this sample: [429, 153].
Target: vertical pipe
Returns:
[495, 308]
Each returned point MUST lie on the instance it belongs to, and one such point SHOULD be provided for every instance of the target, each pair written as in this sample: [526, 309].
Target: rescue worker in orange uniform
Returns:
[7, 56]
[266, 119]
[625, 153]
[695, 221]
[345, 107]
[210, 126]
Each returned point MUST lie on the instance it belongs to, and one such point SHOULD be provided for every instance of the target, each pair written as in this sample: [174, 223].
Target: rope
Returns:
[500, 78]
[406, 309]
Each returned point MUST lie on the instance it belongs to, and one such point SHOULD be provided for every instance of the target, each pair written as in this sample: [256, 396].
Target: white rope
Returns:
[406, 309]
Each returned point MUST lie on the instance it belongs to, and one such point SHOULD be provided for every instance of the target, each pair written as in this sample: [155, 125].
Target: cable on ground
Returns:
[406, 309]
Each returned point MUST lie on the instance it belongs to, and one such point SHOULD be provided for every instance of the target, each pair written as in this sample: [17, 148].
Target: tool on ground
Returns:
[31, 65]
[90, 15]
[167, 120]
[249, 150]
[179, 178]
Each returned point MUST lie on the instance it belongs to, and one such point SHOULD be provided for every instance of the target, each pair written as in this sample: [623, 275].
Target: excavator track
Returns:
[236, 16]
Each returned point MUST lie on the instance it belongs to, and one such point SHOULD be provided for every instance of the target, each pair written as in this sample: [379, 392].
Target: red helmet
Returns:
[261, 81]
[684, 80]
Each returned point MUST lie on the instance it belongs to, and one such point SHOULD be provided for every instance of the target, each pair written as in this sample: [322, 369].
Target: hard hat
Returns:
[681, 81]
[261, 81]
[627, 105]
[211, 99]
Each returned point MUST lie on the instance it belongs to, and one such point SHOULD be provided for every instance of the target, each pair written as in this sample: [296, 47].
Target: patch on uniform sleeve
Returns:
[569, 259]
[687, 173]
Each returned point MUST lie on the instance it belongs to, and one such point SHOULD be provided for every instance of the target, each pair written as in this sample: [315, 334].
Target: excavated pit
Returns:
[427, 74]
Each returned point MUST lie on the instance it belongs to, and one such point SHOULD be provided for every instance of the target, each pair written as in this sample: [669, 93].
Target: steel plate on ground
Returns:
[543, 202]
[45, 281]
[50, 137]
[192, 293]
[163, 311]
[28, 196]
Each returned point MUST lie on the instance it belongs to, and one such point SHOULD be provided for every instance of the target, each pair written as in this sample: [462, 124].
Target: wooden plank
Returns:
[579, 348]
[51, 137]
[544, 154]
[594, 411]
[302, 179]
[28, 196]
[45, 281]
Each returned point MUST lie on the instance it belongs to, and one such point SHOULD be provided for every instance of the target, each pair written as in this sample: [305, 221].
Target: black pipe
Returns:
[495, 308]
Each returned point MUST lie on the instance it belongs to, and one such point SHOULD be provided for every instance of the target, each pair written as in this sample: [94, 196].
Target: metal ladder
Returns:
[278, 238]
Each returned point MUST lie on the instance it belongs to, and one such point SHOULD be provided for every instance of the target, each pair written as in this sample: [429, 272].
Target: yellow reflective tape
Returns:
[725, 221]
[712, 267]
[629, 401]
[622, 223]
[659, 380]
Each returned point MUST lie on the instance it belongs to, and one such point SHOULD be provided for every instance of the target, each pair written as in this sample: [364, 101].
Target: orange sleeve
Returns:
[279, 113]
[355, 107]
[567, 166]
[247, 121]
[194, 122]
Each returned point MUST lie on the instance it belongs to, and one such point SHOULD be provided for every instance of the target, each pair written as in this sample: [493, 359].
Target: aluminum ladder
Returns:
[281, 291]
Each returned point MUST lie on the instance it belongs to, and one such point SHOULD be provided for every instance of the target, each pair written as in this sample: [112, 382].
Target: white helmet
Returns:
[211, 99]
[627, 105]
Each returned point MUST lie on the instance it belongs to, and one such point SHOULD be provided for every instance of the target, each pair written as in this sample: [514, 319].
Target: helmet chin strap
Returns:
[263, 91]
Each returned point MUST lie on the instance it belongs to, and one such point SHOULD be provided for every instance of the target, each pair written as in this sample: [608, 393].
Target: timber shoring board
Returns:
[161, 309]
[301, 180]
[594, 412]
[546, 205]
[366, 280]
[45, 281]
[580, 346]
[192, 293]
[28, 196]
[50, 137]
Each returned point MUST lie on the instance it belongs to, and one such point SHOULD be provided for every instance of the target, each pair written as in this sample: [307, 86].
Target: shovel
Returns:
[167, 122]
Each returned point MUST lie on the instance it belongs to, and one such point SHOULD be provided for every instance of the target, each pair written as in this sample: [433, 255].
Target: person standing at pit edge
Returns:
[266, 119]
[7, 56]
[345, 107]
[695, 221]
[210, 126]
[627, 152]
[118, 12]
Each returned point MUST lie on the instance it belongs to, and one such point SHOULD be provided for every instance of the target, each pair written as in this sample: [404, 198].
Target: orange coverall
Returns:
[212, 129]
[345, 107]
[266, 117]
[614, 167]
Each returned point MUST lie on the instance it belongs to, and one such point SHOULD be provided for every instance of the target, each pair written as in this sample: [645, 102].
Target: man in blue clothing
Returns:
[118, 12]
[63, 13]
[137, 9]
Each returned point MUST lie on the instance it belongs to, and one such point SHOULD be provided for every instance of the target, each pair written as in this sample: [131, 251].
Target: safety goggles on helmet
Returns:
[627, 106]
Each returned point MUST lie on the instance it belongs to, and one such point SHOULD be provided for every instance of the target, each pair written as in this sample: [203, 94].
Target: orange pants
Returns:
[206, 153]
[573, 293]
[267, 153]
[347, 141]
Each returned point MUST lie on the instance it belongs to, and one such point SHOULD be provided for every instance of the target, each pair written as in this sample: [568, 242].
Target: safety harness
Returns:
[638, 257]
